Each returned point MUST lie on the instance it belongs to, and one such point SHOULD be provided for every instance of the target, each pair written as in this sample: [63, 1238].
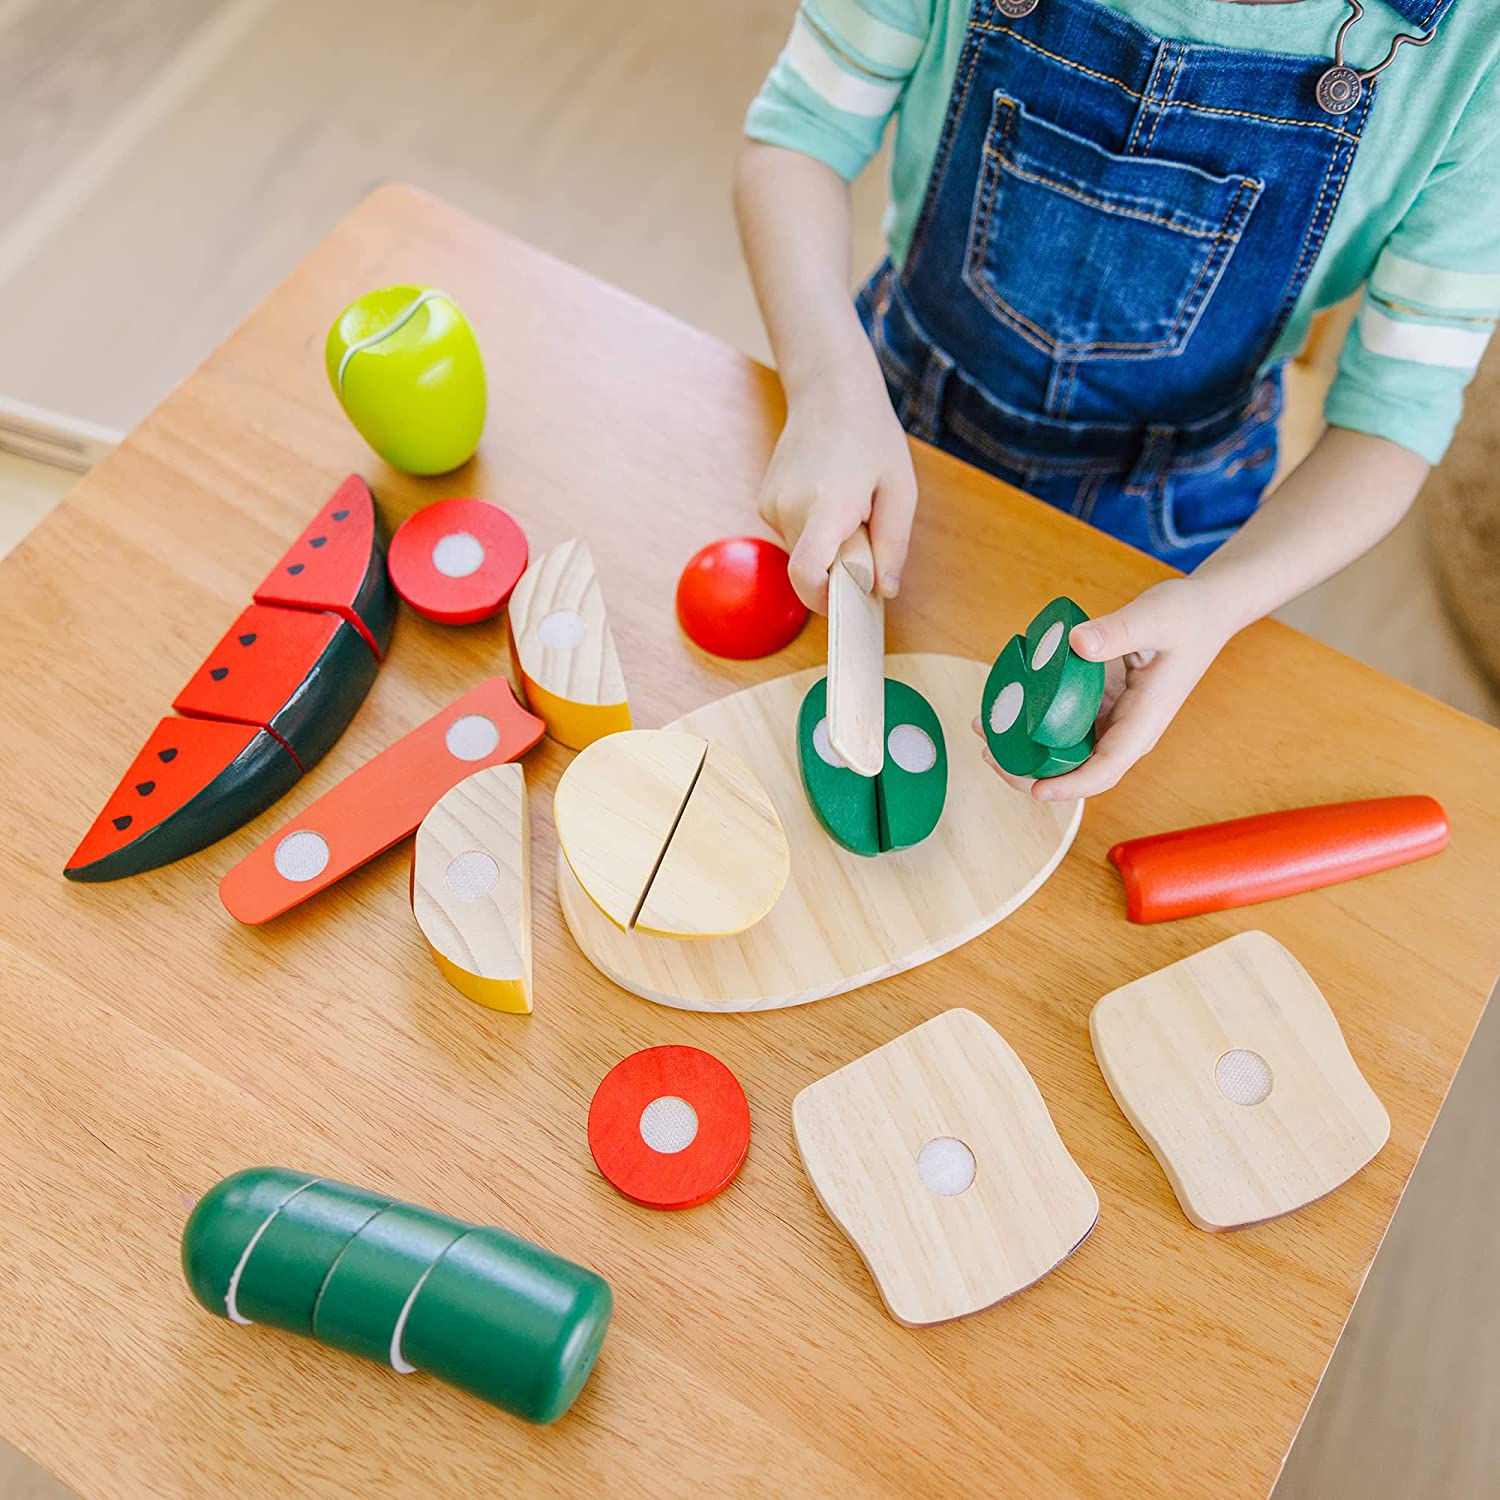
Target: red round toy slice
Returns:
[734, 599]
[669, 1127]
[456, 561]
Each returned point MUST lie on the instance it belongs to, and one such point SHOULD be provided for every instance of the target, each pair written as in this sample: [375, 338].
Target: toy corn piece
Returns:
[876, 814]
[479, 1308]
[1041, 698]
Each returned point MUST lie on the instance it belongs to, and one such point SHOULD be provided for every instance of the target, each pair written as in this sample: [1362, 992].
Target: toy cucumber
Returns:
[1041, 698]
[876, 814]
[476, 1307]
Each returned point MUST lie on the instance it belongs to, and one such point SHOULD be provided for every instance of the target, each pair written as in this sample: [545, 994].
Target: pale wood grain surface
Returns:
[1237, 1155]
[477, 918]
[844, 919]
[934, 1255]
[151, 1048]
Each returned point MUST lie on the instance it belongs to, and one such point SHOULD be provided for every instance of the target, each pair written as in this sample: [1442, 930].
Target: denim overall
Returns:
[1116, 230]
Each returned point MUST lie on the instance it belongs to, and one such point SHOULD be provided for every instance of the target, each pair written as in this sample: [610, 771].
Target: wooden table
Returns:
[151, 1046]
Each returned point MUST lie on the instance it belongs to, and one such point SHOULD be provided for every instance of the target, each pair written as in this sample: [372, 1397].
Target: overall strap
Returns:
[1426, 15]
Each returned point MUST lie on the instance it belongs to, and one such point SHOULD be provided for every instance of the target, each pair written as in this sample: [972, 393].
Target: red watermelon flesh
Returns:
[300, 673]
[333, 566]
[193, 782]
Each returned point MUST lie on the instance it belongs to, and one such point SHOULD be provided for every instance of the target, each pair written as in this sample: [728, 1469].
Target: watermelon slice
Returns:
[299, 673]
[195, 781]
[338, 564]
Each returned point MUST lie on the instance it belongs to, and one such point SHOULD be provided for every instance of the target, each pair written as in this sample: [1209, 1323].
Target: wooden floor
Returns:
[164, 162]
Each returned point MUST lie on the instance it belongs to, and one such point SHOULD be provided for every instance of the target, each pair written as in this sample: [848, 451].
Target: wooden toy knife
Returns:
[856, 658]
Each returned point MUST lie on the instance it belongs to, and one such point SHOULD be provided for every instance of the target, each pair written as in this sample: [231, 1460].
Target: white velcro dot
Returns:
[458, 554]
[301, 856]
[472, 876]
[562, 630]
[946, 1166]
[1006, 708]
[669, 1124]
[1243, 1077]
[824, 746]
[471, 737]
[1046, 648]
[912, 748]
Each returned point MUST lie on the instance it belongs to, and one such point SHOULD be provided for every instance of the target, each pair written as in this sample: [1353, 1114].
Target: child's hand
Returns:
[842, 459]
[1156, 648]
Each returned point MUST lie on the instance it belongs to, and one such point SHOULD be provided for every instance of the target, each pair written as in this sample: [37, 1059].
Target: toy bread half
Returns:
[563, 649]
[471, 887]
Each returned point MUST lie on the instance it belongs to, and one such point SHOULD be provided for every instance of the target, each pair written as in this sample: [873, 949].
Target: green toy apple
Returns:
[406, 368]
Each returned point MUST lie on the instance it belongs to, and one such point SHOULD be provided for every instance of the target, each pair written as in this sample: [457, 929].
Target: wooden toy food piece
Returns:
[734, 599]
[380, 803]
[1041, 698]
[935, 1154]
[670, 834]
[669, 1127]
[300, 673]
[563, 649]
[893, 810]
[843, 920]
[194, 781]
[856, 658]
[476, 1307]
[456, 561]
[471, 887]
[1233, 1070]
[1219, 865]
[338, 564]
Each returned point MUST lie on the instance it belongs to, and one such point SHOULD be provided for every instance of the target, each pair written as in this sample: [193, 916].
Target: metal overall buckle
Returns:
[1342, 87]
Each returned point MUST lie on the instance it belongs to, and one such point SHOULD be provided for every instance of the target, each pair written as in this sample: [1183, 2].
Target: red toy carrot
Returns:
[1219, 865]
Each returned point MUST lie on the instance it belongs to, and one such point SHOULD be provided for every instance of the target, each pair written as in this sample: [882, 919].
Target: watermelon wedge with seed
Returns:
[299, 673]
[338, 564]
[195, 781]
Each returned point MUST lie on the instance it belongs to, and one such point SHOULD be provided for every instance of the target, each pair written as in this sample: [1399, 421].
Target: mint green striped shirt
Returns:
[1418, 224]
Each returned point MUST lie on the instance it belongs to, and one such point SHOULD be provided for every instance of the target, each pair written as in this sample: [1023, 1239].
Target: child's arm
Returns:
[842, 458]
[1347, 494]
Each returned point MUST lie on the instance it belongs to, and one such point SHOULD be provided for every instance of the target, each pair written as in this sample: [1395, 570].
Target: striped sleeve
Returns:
[840, 78]
[1431, 304]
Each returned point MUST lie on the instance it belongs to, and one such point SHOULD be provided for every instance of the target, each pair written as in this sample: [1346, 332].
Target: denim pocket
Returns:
[1086, 254]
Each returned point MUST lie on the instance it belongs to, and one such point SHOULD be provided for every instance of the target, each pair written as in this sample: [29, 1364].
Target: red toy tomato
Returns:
[734, 599]
[456, 561]
[669, 1127]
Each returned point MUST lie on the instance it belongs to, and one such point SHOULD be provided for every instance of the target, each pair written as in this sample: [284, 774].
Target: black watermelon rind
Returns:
[324, 702]
[260, 774]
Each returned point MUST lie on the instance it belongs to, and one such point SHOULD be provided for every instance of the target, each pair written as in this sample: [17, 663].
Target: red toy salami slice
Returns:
[734, 599]
[456, 561]
[195, 781]
[300, 673]
[337, 564]
[1220, 865]
[669, 1127]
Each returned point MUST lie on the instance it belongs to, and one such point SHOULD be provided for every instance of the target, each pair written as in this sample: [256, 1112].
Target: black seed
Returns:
[248, 640]
[145, 788]
[295, 569]
[341, 515]
[166, 755]
[219, 673]
[318, 541]
[123, 823]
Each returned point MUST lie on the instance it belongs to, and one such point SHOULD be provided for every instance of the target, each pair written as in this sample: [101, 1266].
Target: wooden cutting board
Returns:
[844, 920]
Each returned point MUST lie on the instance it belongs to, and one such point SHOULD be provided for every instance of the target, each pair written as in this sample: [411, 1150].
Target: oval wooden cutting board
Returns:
[844, 920]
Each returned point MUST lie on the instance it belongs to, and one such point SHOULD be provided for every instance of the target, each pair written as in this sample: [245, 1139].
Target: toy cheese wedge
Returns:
[471, 887]
[563, 649]
[670, 834]
[380, 803]
[338, 564]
